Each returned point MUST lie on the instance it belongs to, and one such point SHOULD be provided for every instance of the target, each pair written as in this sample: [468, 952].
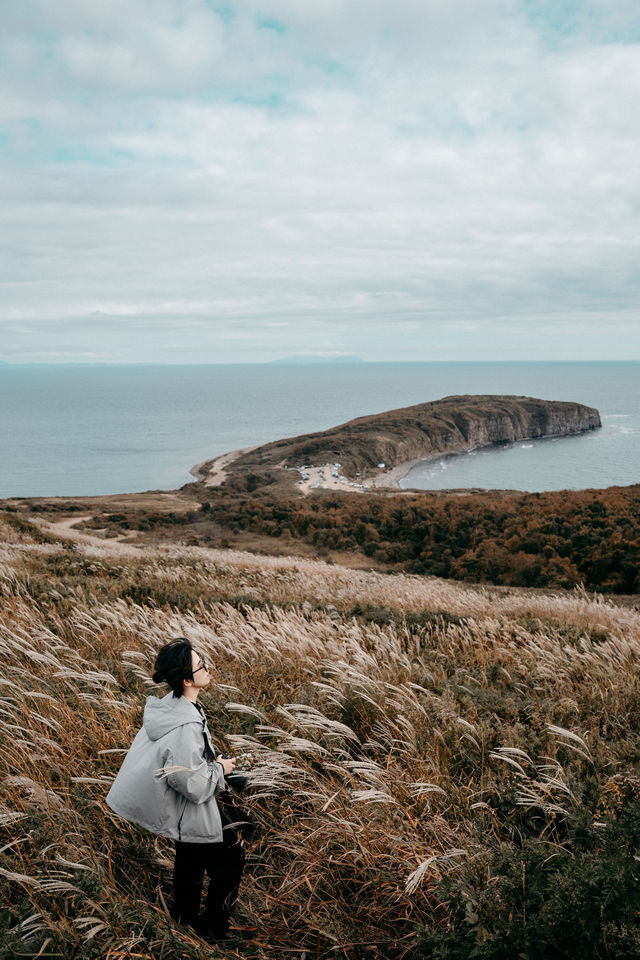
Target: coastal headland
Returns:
[376, 451]
[294, 498]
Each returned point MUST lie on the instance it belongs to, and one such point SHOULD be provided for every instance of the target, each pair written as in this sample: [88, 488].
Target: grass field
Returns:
[440, 770]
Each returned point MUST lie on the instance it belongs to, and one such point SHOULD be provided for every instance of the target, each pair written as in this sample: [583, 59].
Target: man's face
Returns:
[201, 676]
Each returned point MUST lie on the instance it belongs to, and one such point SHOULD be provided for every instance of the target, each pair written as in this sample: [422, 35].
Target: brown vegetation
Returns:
[550, 539]
[439, 770]
[558, 539]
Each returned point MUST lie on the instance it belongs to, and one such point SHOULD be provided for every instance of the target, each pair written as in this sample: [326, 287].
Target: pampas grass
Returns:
[378, 742]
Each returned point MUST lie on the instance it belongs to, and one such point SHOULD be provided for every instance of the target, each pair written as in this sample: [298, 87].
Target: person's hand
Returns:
[227, 763]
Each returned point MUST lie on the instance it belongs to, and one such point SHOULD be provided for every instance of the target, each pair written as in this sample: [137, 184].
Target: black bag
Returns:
[237, 780]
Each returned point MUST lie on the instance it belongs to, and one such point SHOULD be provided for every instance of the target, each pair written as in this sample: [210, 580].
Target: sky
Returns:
[191, 181]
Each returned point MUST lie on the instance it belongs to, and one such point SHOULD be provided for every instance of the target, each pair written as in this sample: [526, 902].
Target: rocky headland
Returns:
[377, 450]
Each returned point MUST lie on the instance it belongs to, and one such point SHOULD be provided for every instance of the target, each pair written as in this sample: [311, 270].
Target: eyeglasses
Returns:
[202, 666]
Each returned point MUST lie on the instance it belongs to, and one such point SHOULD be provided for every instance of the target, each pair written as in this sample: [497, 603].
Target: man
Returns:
[168, 784]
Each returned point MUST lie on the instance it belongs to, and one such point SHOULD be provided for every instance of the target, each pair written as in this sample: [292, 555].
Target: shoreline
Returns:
[391, 478]
[213, 471]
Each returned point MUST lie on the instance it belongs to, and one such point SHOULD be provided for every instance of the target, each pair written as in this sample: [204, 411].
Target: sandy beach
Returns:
[390, 479]
[213, 472]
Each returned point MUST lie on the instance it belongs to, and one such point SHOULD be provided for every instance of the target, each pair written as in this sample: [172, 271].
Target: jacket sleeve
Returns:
[186, 769]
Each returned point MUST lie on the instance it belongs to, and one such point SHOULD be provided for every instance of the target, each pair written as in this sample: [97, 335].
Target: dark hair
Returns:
[173, 665]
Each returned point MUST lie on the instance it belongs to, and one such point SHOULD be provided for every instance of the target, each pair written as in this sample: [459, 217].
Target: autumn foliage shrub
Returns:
[533, 540]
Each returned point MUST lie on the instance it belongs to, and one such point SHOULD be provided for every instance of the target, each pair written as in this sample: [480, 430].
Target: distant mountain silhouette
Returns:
[320, 358]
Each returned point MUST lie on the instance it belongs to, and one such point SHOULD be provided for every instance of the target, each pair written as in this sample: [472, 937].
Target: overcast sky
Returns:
[184, 180]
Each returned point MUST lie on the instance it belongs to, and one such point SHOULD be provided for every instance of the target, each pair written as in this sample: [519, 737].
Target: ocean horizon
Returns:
[95, 429]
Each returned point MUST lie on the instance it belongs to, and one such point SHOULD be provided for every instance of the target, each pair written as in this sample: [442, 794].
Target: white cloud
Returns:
[323, 165]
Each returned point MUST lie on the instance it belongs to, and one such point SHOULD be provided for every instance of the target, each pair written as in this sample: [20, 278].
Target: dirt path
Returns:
[65, 529]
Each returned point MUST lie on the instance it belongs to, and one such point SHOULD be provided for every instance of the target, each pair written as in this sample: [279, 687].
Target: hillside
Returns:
[439, 770]
[556, 539]
[423, 431]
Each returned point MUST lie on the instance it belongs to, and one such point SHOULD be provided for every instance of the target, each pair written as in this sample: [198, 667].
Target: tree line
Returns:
[555, 539]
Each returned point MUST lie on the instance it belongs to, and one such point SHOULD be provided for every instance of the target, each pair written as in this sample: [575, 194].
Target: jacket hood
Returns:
[163, 714]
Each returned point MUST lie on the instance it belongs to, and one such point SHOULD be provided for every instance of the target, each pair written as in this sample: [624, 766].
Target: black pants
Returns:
[224, 863]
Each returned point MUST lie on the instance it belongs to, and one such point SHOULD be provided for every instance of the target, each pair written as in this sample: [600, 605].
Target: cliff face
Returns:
[456, 424]
[451, 425]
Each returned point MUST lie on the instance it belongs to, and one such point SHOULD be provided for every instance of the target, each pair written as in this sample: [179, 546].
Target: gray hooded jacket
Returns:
[169, 779]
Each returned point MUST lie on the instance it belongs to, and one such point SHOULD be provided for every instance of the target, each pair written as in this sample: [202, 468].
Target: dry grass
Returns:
[382, 739]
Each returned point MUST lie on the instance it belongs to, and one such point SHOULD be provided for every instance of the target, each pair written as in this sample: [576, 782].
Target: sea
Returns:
[86, 430]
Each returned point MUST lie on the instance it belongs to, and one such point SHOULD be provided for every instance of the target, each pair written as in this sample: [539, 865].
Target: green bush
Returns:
[539, 901]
